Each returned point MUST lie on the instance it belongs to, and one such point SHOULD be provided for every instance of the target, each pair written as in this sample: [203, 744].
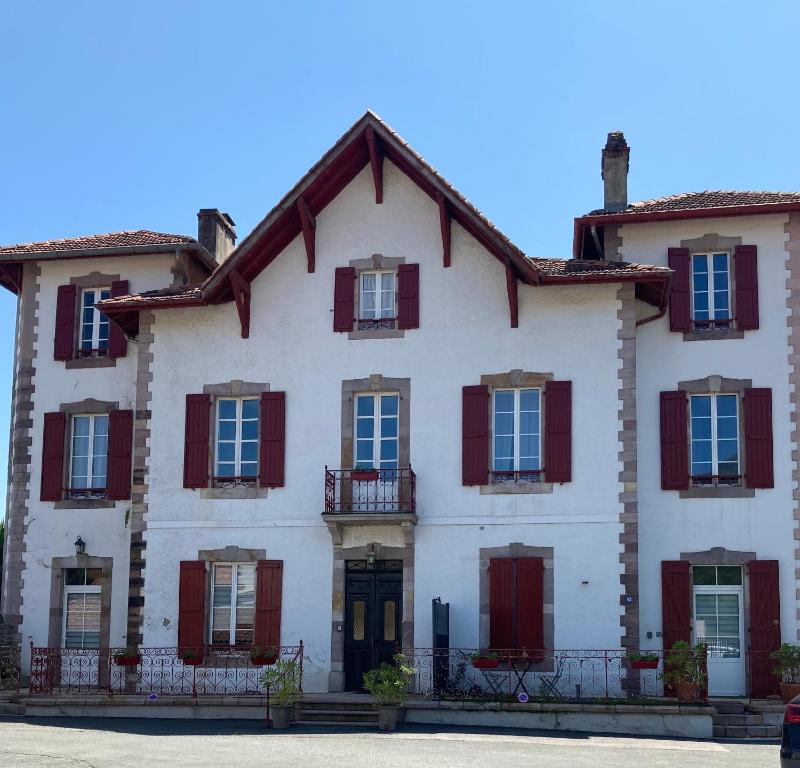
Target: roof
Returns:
[161, 296]
[689, 201]
[124, 239]
[575, 270]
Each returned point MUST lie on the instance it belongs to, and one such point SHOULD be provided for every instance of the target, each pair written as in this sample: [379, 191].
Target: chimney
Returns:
[216, 232]
[614, 166]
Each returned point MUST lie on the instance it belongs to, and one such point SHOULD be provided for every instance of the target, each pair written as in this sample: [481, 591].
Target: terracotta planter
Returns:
[486, 663]
[263, 661]
[365, 476]
[687, 692]
[789, 691]
[281, 715]
[127, 661]
[388, 718]
[644, 664]
[192, 661]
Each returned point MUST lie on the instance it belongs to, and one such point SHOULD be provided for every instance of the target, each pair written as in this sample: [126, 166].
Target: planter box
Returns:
[687, 692]
[127, 661]
[388, 718]
[789, 691]
[192, 661]
[263, 661]
[644, 664]
[281, 715]
[486, 663]
[365, 476]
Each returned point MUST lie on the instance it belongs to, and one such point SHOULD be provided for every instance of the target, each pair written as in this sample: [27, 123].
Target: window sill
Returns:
[84, 504]
[718, 492]
[236, 492]
[90, 362]
[718, 334]
[523, 486]
[376, 333]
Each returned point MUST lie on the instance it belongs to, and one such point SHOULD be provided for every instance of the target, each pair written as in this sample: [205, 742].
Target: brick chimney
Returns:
[216, 232]
[616, 154]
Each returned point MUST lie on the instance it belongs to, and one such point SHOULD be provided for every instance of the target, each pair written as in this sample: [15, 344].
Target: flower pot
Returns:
[644, 664]
[192, 661]
[388, 718]
[127, 661]
[789, 691]
[486, 663]
[687, 692]
[365, 475]
[281, 715]
[264, 661]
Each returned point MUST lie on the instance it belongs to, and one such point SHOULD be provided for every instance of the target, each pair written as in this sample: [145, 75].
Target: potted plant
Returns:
[282, 682]
[485, 659]
[388, 685]
[787, 670]
[192, 657]
[643, 660]
[126, 657]
[364, 473]
[261, 657]
[684, 669]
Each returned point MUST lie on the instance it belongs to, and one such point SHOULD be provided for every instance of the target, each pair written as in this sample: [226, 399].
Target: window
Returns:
[714, 439]
[711, 295]
[81, 608]
[516, 432]
[376, 306]
[377, 422]
[516, 604]
[89, 456]
[93, 324]
[232, 603]
[717, 609]
[237, 438]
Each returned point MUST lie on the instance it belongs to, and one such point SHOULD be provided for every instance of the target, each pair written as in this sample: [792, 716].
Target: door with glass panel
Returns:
[81, 667]
[719, 623]
[377, 447]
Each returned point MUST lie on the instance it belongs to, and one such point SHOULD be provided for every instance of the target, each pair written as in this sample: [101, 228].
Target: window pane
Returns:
[529, 400]
[704, 574]
[365, 406]
[389, 620]
[226, 452]
[359, 619]
[249, 451]
[504, 424]
[94, 575]
[227, 430]
[365, 427]
[368, 281]
[389, 427]
[75, 577]
[528, 445]
[504, 400]
[388, 450]
[364, 452]
[227, 409]
[249, 469]
[226, 470]
[503, 464]
[701, 406]
[726, 405]
[728, 604]
[250, 409]
[249, 430]
[529, 423]
[389, 405]
[503, 446]
[88, 299]
[729, 575]
[80, 425]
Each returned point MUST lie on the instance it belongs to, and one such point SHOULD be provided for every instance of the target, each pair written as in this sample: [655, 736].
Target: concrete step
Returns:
[335, 723]
[747, 732]
[11, 709]
[729, 707]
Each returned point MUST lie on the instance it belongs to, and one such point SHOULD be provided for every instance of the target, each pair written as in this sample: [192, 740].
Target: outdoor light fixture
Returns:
[80, 546]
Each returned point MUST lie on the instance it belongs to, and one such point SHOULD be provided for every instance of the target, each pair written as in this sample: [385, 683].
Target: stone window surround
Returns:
[340, 557]
[708, 243]
[376, 383]
[92, 280]
[57, 568]
[89, 405]
[234, 388]
[516, 549]
[718, 385]
[516, 378]
[377, 261]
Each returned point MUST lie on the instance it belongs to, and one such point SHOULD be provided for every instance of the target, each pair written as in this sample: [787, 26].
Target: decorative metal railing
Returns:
[702, 481]
[545, 675]
[154, 672]
[372, 323]
[9, 668]
[498, 477]
[234, 482]
[349, 491]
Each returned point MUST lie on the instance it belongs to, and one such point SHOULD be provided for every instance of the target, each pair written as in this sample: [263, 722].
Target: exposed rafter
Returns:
[241, 295]
[444, 223]
[11, 276]
[309, 225]
[511, 287]
[376, 162]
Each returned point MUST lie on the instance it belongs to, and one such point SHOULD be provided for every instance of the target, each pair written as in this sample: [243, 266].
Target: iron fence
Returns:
[154, 672]
[350, 491]
[9, 668]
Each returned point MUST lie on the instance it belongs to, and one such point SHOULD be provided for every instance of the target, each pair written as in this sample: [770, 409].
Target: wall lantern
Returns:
[80, 546]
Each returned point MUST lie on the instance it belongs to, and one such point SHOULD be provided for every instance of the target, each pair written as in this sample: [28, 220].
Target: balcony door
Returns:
[377, 418]
[373, 617]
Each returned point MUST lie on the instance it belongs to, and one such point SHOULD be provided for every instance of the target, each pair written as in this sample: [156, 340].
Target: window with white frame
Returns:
[516, 430]
[377, 430]
[376, 300]
[714, 424]
[233, 592]
[94, 324]
[711, 290]
[237, 437]
[81, 615]
[88, 454]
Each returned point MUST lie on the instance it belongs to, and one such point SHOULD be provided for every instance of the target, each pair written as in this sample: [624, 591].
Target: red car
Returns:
[790, 743]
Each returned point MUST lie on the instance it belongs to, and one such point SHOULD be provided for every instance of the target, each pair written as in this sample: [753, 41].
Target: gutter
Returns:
[662, 305]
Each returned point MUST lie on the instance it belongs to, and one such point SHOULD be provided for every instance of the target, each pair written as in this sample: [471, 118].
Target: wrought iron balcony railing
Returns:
[379, 491]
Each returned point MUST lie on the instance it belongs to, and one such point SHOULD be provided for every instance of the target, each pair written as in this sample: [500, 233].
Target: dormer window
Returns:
[711, 291]
[376, 306]
[94, 324]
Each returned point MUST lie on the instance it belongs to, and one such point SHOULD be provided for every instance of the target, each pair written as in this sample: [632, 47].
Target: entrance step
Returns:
[746, 724]
[358, 713]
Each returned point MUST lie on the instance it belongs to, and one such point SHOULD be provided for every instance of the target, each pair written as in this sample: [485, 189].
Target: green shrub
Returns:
[788, 666]
[684, 664]
[282, 682]
[388, 682]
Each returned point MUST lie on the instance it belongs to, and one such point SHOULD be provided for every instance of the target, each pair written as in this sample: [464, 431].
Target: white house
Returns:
[377, 399]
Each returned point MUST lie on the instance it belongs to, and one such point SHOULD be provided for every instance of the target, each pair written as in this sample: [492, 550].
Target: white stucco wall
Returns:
[465, 332]
[669, 525]
[51, 532]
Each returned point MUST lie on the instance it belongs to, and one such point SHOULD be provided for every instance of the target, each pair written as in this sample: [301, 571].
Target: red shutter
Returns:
[269, 588]
[344, 287]
[273, 439]
[120, 446]
[117, 343]
[53, 438]
[758, 438]
[530, 605]
[745, 263]
[676, 603]
[192, 605]
[408, 296]
[64, 344]
[558, 431]
[765, 626]
[674, 442]
[195, 447]
[475, 435]
[680, 312]
[501, 603]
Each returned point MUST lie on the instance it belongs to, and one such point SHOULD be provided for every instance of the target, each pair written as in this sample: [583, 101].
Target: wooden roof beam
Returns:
[376, 162]
[513, 301]
[241, 295]
[309, 226]
[445, 225]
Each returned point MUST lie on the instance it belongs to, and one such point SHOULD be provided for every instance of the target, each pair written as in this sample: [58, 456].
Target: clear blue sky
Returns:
[134, 115]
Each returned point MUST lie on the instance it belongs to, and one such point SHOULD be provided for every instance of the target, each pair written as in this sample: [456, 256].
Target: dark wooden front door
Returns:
[373, 619]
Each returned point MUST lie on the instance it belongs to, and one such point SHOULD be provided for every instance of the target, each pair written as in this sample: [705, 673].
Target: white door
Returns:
[377, 418]
[719, 623]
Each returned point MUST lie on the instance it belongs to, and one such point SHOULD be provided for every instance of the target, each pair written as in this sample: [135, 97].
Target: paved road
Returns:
[124, 743]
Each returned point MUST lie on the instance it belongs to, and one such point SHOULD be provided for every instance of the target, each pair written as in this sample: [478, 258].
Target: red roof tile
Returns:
[161, 296]
[126, 239]
[577, 270]
[700, 200]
